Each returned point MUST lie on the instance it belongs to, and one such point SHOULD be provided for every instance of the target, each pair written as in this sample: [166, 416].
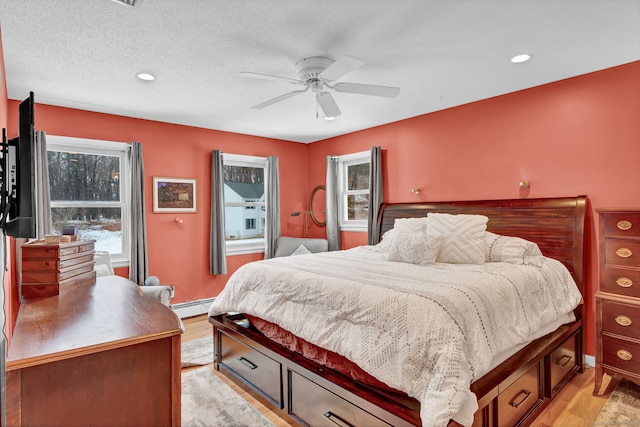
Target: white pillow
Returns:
[387, 239]
[464, 237]
[301, 250]
[514, 250]
[412, 225]
[414, 248]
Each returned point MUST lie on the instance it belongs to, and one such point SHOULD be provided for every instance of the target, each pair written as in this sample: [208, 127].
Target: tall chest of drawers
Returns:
[618, 296]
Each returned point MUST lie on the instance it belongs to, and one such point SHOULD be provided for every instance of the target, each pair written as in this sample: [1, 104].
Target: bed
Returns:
[528, 370]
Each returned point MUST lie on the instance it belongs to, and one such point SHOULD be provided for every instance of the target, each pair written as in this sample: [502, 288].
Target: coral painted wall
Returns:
[568, 138]
[178, 252]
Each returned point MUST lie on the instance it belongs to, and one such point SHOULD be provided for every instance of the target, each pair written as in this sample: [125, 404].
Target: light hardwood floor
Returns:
[575, 406]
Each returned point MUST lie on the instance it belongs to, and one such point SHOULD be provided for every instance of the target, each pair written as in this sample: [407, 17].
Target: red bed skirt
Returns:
[317, 354]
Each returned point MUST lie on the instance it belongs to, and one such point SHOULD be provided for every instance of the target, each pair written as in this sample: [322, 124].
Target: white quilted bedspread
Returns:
[426, 330]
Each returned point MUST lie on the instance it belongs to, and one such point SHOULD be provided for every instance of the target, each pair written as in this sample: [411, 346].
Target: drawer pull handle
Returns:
[337, 420]
[564, 360]
[624, 252]
[248, 363]
[624, 282]
[624, 355]
[525, 394]
[623, 321]
[624, 225]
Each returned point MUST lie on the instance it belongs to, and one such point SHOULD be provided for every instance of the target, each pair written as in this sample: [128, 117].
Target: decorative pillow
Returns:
[412, 225]
[514, 250]
[387, 239]
[414, 248]
[464, 241]
[301, 250]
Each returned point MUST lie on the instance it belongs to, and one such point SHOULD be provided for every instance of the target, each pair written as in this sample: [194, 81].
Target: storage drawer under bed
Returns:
[321, 407]
[562, 361]
[518, 399]
[259, 371]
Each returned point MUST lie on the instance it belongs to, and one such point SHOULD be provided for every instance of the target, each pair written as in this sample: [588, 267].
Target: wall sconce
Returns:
[524, 184]
[306, 220]
[415, 190]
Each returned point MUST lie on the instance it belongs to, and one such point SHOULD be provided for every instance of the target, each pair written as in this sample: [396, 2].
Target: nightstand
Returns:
[618, 296]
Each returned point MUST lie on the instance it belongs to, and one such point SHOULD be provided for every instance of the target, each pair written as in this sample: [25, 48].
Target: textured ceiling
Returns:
[441, 53]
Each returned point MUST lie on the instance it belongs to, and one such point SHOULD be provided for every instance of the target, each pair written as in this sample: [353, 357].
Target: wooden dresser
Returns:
[618, 297]
[99, 354]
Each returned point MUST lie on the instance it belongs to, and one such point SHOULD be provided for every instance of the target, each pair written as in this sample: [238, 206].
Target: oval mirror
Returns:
[317, 202]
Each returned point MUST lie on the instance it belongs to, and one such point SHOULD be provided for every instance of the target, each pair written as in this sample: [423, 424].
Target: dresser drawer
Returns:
[515, 402]
[621, 319]
[622, 224]
[562, 361]
[621, 281]
[323, 408]
[259, 370]
[621, 354]
[622, 252]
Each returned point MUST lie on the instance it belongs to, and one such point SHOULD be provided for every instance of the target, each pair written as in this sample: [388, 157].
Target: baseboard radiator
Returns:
[192, 308]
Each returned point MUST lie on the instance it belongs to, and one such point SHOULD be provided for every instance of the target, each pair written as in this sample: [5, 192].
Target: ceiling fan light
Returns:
[329, 117]
[520, 58]
[146, 76]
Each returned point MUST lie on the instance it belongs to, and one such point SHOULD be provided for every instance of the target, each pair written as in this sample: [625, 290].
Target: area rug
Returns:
[207, 401]
[623, 406]
[197, 352]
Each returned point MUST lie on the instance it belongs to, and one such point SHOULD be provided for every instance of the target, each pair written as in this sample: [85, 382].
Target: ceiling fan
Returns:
[318, 73]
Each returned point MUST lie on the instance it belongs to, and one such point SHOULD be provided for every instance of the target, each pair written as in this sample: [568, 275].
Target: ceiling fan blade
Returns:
[362, 89]
[342, 66]
[328, 105]
[269, 77]
[278, 99]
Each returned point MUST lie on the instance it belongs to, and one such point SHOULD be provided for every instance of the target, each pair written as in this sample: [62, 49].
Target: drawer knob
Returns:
[624, 252]
[336, 419]
[624, 282]
[248, 363]
[564, 360]
[525, 394]
[623, 321]
[624, 355]
[624, 225]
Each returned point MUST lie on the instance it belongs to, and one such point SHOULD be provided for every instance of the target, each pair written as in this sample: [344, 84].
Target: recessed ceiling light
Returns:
[520, 58]
[146, 76]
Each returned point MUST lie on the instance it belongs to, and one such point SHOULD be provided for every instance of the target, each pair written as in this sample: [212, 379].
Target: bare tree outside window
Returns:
[86, 191]
[357, 191]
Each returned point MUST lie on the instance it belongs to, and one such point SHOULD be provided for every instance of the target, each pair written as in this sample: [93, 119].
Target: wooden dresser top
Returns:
[111, 313]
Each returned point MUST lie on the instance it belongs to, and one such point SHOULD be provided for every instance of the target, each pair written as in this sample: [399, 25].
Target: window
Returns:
[353, 185]
[89, 185]
[244, 201]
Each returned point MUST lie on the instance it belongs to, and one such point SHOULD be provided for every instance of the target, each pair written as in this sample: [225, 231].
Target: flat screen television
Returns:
[18, 175]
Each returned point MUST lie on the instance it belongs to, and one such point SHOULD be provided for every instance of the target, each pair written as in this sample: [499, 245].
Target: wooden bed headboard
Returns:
[555, 224]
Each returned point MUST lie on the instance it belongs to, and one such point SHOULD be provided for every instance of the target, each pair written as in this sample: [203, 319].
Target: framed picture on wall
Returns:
[174, 195]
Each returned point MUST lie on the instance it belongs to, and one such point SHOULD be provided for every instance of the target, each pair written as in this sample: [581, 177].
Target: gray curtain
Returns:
[42, 193]
[217, 250]
[272, 198]
[375, 193]
[333, 225]
[138, 264]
